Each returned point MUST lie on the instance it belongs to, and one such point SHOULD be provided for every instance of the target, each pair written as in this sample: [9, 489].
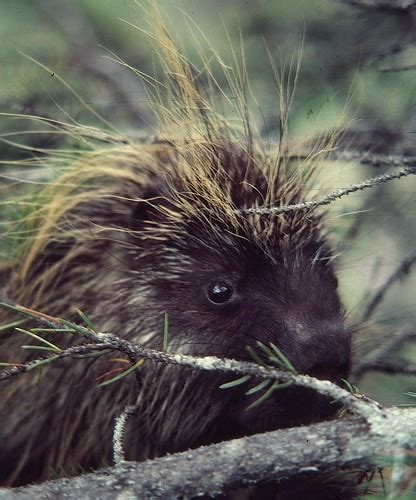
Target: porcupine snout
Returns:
[321, 349]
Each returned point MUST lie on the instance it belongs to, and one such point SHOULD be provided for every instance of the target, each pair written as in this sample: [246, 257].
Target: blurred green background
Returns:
[347, 54]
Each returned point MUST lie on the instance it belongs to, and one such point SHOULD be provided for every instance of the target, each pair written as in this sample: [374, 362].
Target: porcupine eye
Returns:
[219, 293]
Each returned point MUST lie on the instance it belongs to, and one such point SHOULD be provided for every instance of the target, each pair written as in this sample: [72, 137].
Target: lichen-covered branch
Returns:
[110, 341]
[210, 470]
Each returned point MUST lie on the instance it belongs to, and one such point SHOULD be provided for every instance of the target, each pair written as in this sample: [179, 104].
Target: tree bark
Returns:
[210, 470]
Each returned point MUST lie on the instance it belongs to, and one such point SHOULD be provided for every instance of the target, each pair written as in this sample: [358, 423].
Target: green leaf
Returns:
[75, 327]
[11, 307]
[235, 383]
[268, 393]
[86, 320]
[38, 348]
[40, 339]
[42, 362]
[276, 355]
[122, 374]
[258, 387]
[352, 388]
[284, 359]
[52, 330]
[255, 356]
[265, 349]
[12, 325]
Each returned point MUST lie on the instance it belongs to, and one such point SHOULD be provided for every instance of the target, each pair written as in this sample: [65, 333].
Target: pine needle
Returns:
[40, 339]
[268, 393]
[235, 383]
[255, 356]
[12, 325]
[258, 387]
[38, 348]
[86, 320]
[123, 374]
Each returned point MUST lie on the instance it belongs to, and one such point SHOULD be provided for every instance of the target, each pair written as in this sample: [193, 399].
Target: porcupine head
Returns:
[160, 230]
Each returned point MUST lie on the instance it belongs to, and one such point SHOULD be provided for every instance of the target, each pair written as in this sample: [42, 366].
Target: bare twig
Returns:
[331, 197]
[375, 159]
[382, 6]
[359, 156]
[398, 274]
[402, 10]
[396, 69]
[377, 357]
[392, 368]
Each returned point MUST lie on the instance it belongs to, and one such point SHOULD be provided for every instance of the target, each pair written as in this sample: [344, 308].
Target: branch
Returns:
[331, 197]
[403, 11]
[118, 435]
[214, 469]
[207, 363]
[398, 274]
[396, 69]
[375, 159]
[103, 341]
[72, 352]
[392, 368]
[376, 358]
[382, 6]
[356, 155]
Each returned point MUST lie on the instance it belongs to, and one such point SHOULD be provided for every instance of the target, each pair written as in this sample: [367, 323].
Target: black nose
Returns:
[323, 352]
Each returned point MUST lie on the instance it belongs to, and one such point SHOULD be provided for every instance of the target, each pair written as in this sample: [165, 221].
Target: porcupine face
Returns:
[224, 291]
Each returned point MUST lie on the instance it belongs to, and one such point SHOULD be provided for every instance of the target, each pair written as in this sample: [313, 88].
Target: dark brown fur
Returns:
[127, 280]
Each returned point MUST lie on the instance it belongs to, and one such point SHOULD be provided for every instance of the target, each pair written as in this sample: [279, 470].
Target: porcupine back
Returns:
[129, 232]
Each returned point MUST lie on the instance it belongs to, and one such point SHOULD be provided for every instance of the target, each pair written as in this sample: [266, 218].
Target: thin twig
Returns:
[382, 6]
[375, 159]
[118, 435]
[392, 368]
[396, 69]
[376, 358]
[331, 197]
[398, 274]
[208, 363]
[71, 352]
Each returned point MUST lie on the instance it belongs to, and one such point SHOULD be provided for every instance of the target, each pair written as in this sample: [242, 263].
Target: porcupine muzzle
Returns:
[322, 351]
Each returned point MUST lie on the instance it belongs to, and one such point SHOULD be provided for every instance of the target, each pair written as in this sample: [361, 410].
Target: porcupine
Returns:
[133, 232]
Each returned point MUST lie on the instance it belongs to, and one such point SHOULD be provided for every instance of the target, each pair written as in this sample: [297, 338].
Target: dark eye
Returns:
[219, 293]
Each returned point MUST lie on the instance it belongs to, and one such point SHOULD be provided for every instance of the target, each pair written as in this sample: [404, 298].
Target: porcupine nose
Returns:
[323, 351]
